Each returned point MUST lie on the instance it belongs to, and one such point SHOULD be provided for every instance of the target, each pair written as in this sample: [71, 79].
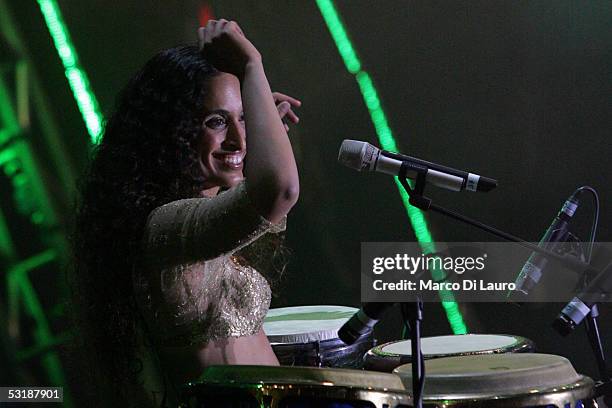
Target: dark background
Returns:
[518, 91]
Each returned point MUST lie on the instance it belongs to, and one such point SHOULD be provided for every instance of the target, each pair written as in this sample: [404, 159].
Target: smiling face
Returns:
[223, 144]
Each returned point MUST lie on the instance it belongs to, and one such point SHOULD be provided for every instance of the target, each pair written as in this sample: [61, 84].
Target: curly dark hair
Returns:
[148, 156]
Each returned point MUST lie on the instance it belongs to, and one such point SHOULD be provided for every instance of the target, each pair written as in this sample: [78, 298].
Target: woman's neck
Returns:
[210, 192]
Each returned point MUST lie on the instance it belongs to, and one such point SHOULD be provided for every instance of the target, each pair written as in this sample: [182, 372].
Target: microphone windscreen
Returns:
[356, 154]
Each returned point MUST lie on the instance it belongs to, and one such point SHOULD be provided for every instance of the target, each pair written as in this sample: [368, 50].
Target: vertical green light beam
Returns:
[387, 142]
[85, 98]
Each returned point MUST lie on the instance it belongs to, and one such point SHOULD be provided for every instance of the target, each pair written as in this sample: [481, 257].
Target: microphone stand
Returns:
[603, 387]
[412, 313]
[417, 199]
[592, 329]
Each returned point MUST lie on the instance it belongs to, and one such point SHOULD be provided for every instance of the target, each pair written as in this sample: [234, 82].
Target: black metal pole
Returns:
[592, 329]
[412, 312]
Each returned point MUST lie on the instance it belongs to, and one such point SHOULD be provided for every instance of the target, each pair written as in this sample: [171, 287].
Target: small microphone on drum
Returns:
[580, 306]
[532, 271]
[362, 323]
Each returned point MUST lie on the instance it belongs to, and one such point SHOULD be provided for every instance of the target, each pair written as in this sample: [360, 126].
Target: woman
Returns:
[163, 290]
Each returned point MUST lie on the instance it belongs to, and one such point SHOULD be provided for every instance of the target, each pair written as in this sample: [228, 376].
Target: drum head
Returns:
[456, 345]
[494, 375]
[386, 357]
[304, 324]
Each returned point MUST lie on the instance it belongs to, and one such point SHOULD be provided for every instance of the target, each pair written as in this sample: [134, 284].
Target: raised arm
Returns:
[271, 173]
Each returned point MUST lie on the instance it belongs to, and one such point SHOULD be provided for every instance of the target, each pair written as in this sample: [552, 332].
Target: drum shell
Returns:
[273, 387]
[323, 353]
[273, 395]
[378, 360]
[308, 336]
[526, 380]
[577, 396]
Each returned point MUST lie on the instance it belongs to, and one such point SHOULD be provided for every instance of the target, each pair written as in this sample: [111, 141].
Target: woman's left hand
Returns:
[285, 104]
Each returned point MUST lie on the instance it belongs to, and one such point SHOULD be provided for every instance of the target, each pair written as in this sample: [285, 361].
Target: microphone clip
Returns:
[416, 194]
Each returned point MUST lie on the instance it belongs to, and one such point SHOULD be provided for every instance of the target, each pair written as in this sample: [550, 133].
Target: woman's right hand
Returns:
[226, 47]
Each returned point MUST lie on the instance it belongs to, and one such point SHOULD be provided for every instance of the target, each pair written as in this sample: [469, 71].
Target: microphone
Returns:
[363, 321]
[580, 306]
[363, 156]
[557, 232]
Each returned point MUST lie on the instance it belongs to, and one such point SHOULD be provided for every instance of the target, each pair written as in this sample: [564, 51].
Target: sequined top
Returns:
[191, 288]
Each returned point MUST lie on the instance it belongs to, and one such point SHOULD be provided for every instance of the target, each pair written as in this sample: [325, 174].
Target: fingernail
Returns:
[284, 106]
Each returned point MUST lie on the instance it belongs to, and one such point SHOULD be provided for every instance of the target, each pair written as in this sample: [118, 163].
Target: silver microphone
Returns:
[363, 156]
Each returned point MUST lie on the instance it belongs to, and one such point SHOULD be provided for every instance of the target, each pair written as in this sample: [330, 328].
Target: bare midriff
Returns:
[183, 364]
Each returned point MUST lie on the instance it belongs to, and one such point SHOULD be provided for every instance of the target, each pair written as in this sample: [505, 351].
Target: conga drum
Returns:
[502, 380]
[386, 357]
[294, 387]
[308, 336]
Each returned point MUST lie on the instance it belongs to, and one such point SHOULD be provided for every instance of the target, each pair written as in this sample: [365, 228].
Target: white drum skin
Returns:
[308, 336]
[303, 324]
[388, 356]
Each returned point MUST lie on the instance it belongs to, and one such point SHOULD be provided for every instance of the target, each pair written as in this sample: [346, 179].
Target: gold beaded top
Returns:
[191, 289]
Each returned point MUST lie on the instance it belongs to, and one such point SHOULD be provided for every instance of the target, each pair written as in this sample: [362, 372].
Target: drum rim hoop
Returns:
[584, 383]
[519, 344]
[281, 391]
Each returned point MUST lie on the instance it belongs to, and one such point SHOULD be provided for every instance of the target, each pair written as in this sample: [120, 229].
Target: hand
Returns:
[285, 104]
[226, 47]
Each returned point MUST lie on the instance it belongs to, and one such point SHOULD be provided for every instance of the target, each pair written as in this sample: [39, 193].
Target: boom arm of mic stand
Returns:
[425, 204]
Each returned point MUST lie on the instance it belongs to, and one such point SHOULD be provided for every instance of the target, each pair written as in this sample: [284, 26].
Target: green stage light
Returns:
[85, 99]
[345, 47]
[387, 142]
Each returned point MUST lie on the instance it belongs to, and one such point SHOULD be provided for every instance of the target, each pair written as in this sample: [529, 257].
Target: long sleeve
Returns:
[198, 229]
[190, 289]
